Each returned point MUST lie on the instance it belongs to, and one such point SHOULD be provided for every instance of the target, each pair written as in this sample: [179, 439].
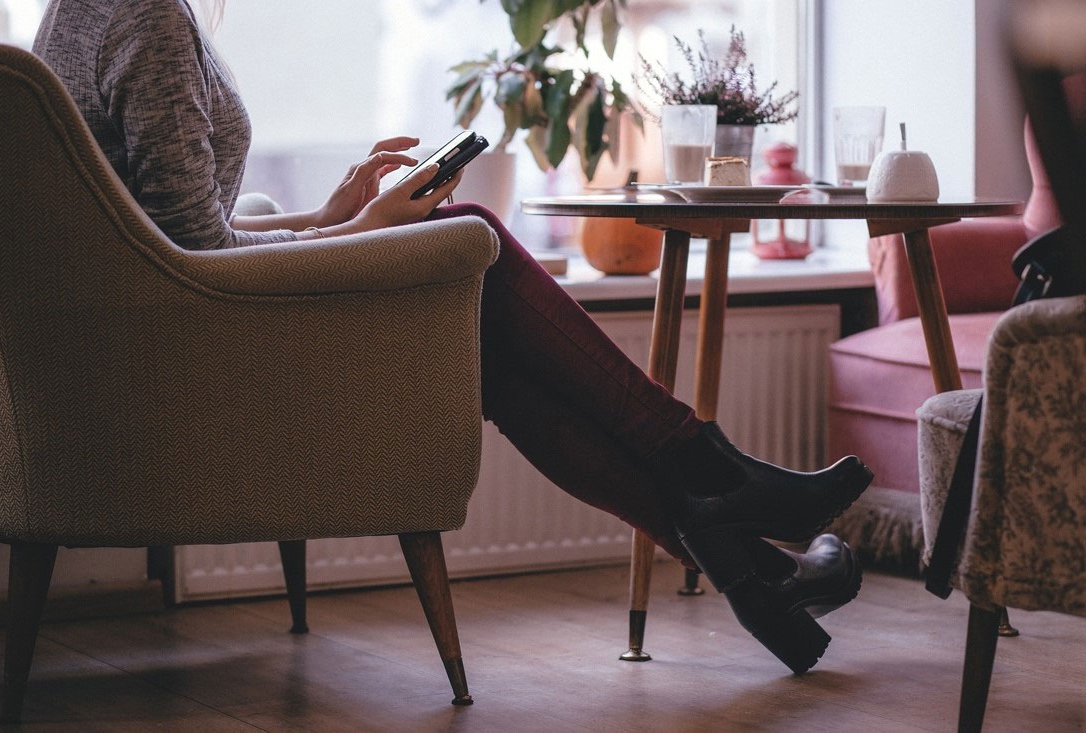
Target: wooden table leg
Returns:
[710, 354]
[663, 360]
[936, 324]
[932, 307]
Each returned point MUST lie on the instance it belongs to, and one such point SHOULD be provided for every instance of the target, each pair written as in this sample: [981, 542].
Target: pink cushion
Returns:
[973, 259]
[879, 378]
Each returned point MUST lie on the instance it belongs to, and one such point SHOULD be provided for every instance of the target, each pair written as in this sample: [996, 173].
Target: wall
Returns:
[938, 66]
[1001, 158]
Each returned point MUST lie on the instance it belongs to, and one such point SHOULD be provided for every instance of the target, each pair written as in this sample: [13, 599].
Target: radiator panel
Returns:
[772, 404]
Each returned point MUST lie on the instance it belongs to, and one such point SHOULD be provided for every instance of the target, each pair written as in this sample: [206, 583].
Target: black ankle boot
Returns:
[711, 483]
[776, 594]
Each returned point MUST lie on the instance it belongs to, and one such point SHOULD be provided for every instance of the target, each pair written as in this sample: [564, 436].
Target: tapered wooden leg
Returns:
[710, 353]
[30, 570]
[980, 649]
[932, 307]
[663, 359]
[292, 553]
[426, 561]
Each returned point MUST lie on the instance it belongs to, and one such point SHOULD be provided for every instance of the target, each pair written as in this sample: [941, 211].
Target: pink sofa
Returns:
[881, 376]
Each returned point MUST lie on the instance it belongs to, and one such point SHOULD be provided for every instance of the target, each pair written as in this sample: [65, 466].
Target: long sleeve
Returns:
[184, 132]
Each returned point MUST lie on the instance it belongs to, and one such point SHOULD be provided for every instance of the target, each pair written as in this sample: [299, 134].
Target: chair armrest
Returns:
[974, 262]
[390, 259]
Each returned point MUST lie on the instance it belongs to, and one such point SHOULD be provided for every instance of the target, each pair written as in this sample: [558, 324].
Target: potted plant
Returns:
[729, 84]
[552, 94]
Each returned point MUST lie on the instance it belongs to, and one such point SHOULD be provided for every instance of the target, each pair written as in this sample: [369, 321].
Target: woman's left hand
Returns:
[359, 187]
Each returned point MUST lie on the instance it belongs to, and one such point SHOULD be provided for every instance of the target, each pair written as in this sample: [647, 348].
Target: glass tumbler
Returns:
[857, 139]
[688, 132]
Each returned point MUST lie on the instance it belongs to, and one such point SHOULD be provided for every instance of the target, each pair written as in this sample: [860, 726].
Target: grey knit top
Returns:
[164, 110]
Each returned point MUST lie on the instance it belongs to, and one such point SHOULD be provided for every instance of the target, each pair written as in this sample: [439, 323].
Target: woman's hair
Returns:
[211, 12]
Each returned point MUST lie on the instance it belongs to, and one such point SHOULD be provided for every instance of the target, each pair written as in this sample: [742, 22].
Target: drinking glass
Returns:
[688, 133]
[857, 139]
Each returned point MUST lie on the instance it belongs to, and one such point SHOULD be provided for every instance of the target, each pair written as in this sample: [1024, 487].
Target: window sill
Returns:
[826, 269]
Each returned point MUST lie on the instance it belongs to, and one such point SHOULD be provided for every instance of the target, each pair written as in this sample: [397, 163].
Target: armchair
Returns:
[153, 395]
[1025, 542]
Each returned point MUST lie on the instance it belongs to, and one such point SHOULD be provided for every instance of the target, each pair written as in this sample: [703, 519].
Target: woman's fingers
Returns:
[442, 192]
[395, 144]
[372, 165]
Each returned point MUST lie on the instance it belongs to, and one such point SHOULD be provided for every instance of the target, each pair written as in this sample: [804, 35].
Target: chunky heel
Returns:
[721, 555]
[796, 639]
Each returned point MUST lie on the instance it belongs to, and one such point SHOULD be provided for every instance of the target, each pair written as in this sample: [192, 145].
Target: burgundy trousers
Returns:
[567, 397]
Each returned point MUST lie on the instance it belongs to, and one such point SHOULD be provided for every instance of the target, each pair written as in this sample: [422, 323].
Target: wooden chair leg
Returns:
[980, 648]
[426, 561]
[292, 553]
[30, 570]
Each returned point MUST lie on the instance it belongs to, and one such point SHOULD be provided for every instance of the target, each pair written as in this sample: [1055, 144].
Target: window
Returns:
[324, 80]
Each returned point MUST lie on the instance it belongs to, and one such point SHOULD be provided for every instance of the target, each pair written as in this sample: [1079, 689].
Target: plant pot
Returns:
[621, 246]
[490, 180]
[735, 140]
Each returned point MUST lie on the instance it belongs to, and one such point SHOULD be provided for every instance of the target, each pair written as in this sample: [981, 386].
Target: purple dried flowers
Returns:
[728, 84]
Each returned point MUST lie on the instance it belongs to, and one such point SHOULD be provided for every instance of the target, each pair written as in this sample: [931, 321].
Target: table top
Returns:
[652, 206]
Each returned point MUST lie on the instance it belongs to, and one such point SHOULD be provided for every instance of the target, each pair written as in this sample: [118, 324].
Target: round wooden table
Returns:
[716, 221]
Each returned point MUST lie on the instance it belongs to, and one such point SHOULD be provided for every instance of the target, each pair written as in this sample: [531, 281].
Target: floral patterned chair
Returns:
[1025, 543]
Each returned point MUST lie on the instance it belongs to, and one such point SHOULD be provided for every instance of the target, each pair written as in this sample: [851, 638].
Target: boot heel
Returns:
[795, 639]
[721, 555]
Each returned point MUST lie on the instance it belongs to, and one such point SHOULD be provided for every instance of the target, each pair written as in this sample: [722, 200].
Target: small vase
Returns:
[735, 140]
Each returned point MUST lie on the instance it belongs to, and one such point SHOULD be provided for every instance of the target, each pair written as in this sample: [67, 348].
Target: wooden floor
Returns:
[541, 654]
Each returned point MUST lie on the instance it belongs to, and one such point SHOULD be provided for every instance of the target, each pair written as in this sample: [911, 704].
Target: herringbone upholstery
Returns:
[152, 395]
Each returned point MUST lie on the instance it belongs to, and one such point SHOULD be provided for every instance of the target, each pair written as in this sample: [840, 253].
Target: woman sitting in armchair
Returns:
[167, 115]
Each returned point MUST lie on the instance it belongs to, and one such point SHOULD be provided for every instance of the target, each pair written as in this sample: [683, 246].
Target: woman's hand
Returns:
[362, 183]
[395, 206]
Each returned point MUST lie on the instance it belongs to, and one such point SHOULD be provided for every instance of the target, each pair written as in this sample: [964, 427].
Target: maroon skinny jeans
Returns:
[570, 400]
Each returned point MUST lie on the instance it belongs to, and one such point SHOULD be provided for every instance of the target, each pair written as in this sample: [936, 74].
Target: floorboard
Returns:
[541, 654]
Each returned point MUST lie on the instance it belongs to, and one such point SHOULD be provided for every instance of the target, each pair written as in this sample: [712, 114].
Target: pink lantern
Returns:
[781, 239]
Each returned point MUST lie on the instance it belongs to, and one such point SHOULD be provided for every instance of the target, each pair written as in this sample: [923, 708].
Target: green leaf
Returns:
[513, 114]
[511, 87]
[558, 139]
[561, 7]
[529, 21]
[469, 104]
[610, 27]
[464, 81]
[537, 143]
[580, 26]
[534, 111]
[613, 131]
[465, 66]
[557, 101]
[597, 120]
[557, 97]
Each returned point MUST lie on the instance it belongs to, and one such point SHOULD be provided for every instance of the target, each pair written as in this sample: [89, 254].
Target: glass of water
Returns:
[688, 132]
[857, 139]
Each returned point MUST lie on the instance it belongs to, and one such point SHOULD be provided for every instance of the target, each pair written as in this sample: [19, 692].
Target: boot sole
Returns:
[792, 636]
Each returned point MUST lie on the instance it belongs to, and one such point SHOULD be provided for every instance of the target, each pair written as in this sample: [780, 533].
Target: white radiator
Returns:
[772, 404]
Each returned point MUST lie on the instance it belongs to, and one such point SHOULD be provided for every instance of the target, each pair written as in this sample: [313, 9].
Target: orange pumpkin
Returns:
[621, 246]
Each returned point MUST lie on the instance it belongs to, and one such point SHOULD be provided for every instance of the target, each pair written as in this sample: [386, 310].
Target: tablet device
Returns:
[452, 156]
